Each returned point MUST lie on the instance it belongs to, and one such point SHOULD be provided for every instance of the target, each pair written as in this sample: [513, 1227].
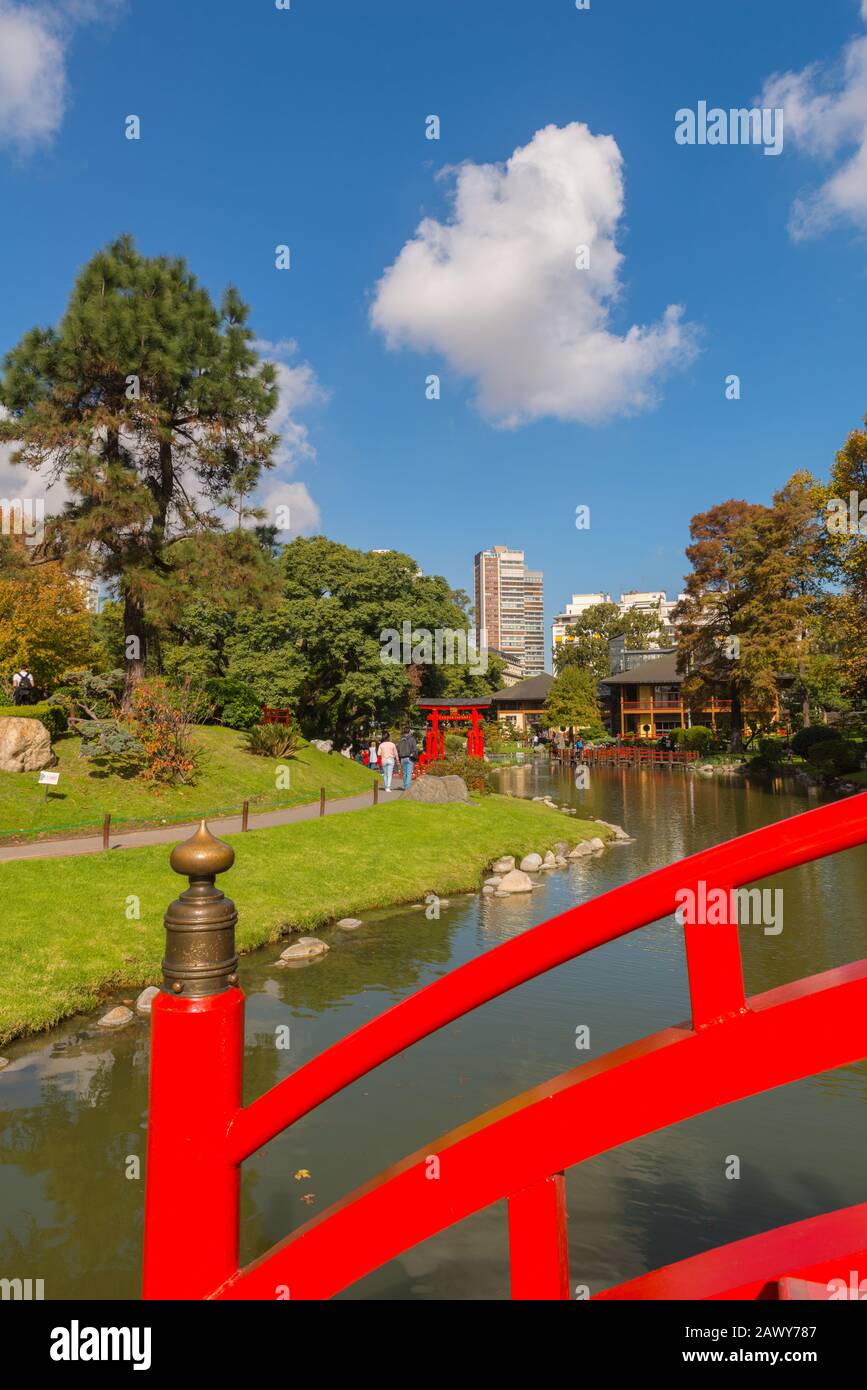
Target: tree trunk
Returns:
[737, 721]
[134, 646]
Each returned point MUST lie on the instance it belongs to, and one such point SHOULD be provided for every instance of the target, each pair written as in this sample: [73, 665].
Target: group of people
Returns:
[388, 756]
[22, 686]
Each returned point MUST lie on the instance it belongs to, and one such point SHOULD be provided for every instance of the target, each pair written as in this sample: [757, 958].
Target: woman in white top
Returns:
[387, 756]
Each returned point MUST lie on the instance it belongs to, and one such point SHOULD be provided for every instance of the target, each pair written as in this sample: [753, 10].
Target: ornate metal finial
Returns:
[200, 954]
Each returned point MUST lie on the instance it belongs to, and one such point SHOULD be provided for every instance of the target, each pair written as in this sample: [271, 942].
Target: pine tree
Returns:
[152, 406]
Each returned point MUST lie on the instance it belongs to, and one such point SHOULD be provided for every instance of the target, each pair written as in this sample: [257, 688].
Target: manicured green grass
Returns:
[229, 776]
[66, 939]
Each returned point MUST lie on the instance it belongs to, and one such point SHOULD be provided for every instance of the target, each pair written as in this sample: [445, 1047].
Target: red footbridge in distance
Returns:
[733, 1047]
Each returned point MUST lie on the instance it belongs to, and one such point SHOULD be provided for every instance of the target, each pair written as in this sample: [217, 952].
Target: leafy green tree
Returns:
[573, 701]
[594, 628]
[152, 406]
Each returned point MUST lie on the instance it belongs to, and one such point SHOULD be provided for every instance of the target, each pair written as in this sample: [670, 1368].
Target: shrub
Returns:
[805, 739]
[91, 694]
[52, 716]
[833, 758]
[456, 744]
[772, 750]
[232, 702]
[476, 773]
[272, 740]
[699, 738]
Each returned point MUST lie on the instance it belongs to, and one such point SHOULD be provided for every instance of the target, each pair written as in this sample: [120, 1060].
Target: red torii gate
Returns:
[440, 712]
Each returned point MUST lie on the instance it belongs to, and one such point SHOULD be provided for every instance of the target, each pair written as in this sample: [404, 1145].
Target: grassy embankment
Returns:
[229, 776]
[67, 943]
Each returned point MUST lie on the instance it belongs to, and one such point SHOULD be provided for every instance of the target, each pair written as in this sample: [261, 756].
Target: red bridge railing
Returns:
[619, 754]
[733, 1047]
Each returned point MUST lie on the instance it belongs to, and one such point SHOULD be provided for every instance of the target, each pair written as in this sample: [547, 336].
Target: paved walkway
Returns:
[170, 834]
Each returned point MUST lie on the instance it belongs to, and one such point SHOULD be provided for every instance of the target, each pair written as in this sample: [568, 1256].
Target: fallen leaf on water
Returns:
[308, 1198]
[301, 1174]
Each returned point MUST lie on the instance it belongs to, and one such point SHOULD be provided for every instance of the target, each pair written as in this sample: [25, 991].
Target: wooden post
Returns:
[376, 792]
[322, 801]
[245, 816]
[106, 824]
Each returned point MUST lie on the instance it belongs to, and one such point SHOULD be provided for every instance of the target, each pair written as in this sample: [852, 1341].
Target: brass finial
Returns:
[200, 954]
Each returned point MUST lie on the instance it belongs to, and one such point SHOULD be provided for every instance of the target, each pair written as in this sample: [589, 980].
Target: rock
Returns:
[531, 863]
[706, 769]
[540, 798]
[347, 923]
[560, 846]
[580, 851]
[116, 1018]
[596, 843]
[325, 745]
[25, 745]
[494, 881]
[504, 864]
[4, 1062]
[305, 948]
[550, 857]
[488, 888]
[437, 791]
[146, 999]
[516, 881]
[561, 861]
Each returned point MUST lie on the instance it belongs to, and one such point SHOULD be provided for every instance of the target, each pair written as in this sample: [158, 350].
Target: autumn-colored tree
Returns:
[44, 623]
[712, 618]
[846, 530]
[753, 600]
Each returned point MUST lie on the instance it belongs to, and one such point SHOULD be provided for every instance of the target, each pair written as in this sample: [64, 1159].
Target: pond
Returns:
[73, 1100]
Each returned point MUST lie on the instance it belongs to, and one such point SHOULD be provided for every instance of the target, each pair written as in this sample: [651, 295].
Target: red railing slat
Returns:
[538, 1244]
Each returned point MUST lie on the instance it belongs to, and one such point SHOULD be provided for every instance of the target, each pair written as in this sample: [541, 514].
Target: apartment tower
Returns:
[509, 607]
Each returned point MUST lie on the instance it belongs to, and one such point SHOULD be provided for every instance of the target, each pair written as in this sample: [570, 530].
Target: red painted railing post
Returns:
[197, 1034]
[538, 1244]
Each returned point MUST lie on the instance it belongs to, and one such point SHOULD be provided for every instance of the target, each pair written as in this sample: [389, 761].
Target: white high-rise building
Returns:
[509, 602]
[654, 601]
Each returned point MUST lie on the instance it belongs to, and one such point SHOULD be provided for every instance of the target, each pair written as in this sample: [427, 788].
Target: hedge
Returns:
[52, 716]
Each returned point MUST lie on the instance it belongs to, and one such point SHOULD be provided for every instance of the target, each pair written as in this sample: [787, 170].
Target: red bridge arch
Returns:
[732, 1048]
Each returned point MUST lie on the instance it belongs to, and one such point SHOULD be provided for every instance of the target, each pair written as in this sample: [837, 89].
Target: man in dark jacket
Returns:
[407, 751]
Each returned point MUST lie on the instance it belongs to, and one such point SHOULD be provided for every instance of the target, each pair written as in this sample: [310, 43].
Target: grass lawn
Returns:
[230, 775]
[66, 940]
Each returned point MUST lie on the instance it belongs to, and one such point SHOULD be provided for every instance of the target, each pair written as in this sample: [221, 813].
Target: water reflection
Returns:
[74, 1100]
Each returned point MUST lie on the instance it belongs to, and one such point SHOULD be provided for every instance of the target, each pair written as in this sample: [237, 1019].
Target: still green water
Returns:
[73, 1100]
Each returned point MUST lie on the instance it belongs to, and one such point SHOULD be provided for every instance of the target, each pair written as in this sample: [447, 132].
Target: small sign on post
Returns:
[48, 779]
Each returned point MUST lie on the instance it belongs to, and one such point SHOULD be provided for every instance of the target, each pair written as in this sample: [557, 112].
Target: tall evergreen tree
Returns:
[152, 406]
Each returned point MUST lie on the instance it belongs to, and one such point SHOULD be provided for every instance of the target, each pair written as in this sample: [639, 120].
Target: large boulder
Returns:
[437, 791]
[514, 882]
[25, 745]
[531, 863]
[325, 745]
[504, 864]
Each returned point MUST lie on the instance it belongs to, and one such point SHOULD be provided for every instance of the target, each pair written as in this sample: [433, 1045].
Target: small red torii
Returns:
[441, 712]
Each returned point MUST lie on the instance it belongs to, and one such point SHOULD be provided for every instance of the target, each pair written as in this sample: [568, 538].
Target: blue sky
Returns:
[261, 127]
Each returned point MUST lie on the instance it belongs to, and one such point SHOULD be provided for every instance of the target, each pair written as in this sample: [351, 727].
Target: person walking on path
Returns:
[386, 756]
[407, 751]
[22, 683]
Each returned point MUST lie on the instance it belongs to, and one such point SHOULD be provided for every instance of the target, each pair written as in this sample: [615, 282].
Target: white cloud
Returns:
[495, 289]
[290, 507]
[826, 116]
[298, 387]
[34, 43]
